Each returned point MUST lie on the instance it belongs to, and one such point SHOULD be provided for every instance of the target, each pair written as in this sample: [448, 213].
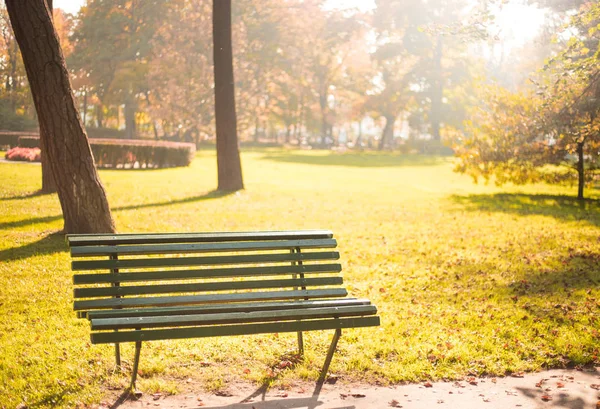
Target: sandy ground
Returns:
[549, 389]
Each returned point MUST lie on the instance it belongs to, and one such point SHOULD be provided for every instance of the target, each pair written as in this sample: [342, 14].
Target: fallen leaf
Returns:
[486, 400]
[560, 385]
[156, 396]
[518, 375]
[282, 395]
[394, 404]
[595, 386]
[546, 398]
[358, 395]
[428, 384]
[472, 381]
[246, 371]
[539, 384]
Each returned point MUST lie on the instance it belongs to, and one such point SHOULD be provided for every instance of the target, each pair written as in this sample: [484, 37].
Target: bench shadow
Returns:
[353, 159]
[50, 244]
[565, 208]
[214, 194]
[560, 400]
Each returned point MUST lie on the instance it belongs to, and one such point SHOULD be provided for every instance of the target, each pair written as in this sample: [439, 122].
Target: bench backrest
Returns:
[168, 270]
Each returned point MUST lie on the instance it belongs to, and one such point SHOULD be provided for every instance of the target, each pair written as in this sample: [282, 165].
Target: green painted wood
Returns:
[198, 287]
[200, 261]
[209, 298]
[231, 318]
[229, 330]
[151, 238]
[106, 250]
[221, 308]
[99, 278]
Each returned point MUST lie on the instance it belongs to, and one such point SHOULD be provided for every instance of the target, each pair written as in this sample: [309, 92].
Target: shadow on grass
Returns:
[25, 196]
[215, 194]
[51, 244]
[561, 207]
[362, 160]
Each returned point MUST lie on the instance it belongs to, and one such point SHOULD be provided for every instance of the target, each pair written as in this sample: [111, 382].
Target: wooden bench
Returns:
[146, 287]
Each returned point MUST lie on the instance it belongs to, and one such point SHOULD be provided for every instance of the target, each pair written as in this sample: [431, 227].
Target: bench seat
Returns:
[147, 287]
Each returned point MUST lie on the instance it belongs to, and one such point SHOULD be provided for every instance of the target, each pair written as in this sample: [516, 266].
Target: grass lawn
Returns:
[468, 279]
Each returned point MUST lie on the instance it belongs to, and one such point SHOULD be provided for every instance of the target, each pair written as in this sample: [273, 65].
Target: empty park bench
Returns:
[147, 287]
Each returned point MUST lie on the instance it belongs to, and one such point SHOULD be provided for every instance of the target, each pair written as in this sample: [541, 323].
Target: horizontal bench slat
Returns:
[231, 318]
[100, 278]
[198, 287]
[198, 261]
[219, 308]
[212, 298]
[227, 330]
[152, 238]
[105, 250]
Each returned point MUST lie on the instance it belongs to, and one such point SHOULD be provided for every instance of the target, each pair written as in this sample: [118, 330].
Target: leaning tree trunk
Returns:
[81, 194]
[48, 184]
[229, 166]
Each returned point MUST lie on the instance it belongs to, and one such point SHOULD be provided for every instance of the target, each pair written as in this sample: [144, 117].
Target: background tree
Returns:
[552, 135]
[82, 196]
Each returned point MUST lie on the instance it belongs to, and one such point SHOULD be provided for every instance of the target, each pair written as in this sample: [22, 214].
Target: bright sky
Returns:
[516, 22]
[70, 6]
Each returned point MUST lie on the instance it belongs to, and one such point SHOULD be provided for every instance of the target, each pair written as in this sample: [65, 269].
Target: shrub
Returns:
[24, 154]
[130, 153]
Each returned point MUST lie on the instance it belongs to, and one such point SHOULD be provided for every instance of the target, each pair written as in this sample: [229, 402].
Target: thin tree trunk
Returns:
[437, 94]
[81, 194]
[229, 166]
[48, 183]
[130, 126]
[388, 131]
[99, 115]
[580, 171]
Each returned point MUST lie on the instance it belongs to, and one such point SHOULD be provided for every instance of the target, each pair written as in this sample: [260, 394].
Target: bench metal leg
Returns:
[334, 341]
[300, 344]
[118, 355]
[136, 362]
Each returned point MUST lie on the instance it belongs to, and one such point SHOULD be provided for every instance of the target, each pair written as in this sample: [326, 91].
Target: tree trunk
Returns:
[130, 126]
[580, 171]
[81, 194]
[388, 131]
[228, 155]
[435, 114]
[99, 115]
[48, 183]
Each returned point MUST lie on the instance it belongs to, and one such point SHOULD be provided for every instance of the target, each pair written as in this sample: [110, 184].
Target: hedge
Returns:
[133, 153]
[11, 139]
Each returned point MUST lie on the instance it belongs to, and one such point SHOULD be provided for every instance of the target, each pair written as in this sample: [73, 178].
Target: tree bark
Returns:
[81, 194]
[580, 171]
[228, 156]
[48, 183]
[130, 125]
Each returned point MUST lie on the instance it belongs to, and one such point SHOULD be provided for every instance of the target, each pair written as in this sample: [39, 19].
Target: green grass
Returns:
[469, 279]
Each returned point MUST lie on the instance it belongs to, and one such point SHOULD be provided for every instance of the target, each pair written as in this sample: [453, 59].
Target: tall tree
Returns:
[48, 183]
[82, 196]
[228, 156]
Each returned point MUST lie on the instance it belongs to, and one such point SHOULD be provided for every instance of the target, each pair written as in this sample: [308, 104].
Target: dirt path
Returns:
[549, 389]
